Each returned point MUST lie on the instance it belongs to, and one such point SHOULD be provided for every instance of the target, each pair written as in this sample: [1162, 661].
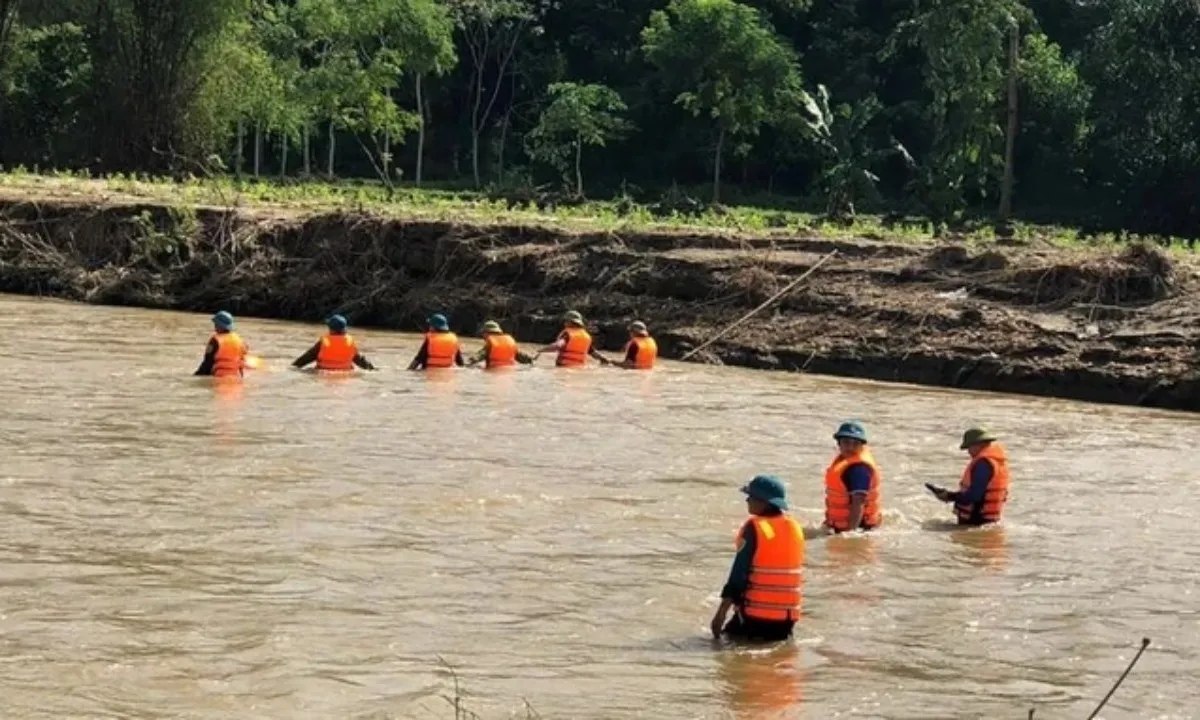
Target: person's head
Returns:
[439, 323]
[637, 328]
[222, 322]
[975, 440]
[765, 494]
[337, 324]
[572, 318]
[491, 327]
[850, 437]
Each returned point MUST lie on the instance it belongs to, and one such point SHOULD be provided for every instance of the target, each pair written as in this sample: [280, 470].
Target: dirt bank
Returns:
[1117, 327]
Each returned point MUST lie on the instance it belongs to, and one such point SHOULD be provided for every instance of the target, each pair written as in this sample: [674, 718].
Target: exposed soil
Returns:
[1117, 327]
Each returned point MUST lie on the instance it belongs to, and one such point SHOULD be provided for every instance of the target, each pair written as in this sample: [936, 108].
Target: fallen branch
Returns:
[790, 286]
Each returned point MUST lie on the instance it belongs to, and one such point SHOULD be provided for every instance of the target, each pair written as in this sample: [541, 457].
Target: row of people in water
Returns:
[227, 355]
[765, 584]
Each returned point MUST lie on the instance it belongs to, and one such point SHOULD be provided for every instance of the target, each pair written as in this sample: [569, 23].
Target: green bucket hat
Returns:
[638, 328]
[974, 436]
[573, 317]
[769, 489]
[491, 326]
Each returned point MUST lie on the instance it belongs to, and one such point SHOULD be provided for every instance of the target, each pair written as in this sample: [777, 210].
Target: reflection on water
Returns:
[764, 683]
[303, 545]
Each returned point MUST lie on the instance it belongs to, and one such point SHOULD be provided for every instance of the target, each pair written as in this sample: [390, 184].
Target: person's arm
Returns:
[524, 358]
[478, 357]
[734, 592]
[557, 345]
[598, 357]
[857, 478]
[310, 356]
[210, 357]
[631, 353]
[421, 358]
[361, 361]
[458, 358]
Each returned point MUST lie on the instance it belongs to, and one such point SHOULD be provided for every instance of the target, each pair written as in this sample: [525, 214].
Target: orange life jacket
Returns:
[231, 355]
[837, 497]
[997, 491]
[501, 350]
[647, 351]
[776, 570]
[337, 352]
[440, 350]
[575, 352]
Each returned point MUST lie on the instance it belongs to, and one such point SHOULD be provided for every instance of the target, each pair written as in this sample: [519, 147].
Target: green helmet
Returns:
[491, 326]
[573, 317]
[975, 436]
[769, 489]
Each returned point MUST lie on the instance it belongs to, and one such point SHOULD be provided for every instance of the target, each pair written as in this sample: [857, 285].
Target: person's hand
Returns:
[717, 625]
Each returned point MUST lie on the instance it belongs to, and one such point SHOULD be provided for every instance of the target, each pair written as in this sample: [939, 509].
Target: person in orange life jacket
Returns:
[335, 351]
[765, 581]
[852, 481]
[574, 344]
[499, 349]
[440, 349]
[641, 351]
[225, 354]
[983, 489]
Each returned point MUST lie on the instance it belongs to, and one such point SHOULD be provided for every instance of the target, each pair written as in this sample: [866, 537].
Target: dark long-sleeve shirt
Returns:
[739, 573]
[423, 357]
[973, 496]
[210, 358]
[310, 356]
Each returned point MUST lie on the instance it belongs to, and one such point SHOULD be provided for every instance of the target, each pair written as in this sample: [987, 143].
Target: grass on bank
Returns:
[294, 197]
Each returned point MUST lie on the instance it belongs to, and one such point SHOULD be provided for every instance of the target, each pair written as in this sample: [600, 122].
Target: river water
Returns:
[307, 547]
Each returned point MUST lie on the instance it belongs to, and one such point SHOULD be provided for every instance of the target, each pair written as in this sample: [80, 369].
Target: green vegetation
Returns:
[296, 199]
[838, 107]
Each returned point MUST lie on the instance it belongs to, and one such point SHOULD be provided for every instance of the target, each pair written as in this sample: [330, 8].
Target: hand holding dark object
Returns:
[940, 493]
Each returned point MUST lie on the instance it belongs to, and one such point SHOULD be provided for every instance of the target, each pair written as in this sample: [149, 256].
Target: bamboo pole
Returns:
[755, 311]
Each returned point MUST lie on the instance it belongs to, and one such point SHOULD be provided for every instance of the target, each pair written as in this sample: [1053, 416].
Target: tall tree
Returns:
[727, 63]
[578, 115]
[491, 31]
[150, 60]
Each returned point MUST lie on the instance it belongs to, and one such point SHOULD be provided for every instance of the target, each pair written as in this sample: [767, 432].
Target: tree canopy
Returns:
[836, 105]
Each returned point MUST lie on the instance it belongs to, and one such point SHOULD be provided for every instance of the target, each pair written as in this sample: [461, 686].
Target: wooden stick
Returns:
[1138, 656]
[756, 310]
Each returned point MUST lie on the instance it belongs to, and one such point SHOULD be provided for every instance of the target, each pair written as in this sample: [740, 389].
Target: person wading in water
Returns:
[225, 354]
[983, 489]
[336, 351]
[766, 580]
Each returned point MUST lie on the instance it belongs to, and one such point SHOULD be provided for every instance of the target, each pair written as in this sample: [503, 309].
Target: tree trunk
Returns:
[307, 150]
[239, 151]
[475, 157]
[387, 156]
[578, 165]
[503, 143]
[1010, 136]
[283, 154]
[717, 166]
[332, 148]
[420, 131]
[257, 148]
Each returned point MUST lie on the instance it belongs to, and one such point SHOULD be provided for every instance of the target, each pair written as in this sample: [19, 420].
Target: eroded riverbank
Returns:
[1109, 326]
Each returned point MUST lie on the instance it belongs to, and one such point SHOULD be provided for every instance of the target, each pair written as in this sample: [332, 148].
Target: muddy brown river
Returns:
[307, 547]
